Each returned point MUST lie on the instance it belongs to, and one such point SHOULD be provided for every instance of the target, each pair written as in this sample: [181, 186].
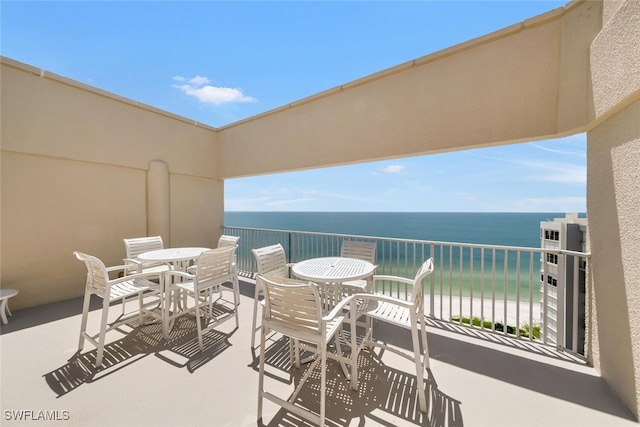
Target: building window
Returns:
[552, 259]
[552, 235]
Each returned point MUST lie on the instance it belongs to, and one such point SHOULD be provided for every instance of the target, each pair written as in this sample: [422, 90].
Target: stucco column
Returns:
[158, 200]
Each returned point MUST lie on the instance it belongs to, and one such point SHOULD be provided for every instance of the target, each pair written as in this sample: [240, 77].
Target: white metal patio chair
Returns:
[138, 245]
[294, 309]
[404, 310]
[272, 261]
[122, 288]
[358, 249]
[213, 269]
[227, 240]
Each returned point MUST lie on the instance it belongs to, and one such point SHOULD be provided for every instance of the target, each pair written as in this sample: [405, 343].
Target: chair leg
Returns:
[85, 315]
[235, 283]
[166, 310]
[197, 319]
[3, 310]
[419, 368]
[291, 353]
[425, 344]
[255, 315]
[103, 331]
[354, 351]
[261, 373]
[236, 298]
[140, 307]
[323, 382]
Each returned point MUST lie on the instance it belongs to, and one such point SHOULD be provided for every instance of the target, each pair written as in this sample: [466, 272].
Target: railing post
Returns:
[562, 310]
[575, 325]
[292, 248]
[253, 261]
[545, 298]
[432, 283]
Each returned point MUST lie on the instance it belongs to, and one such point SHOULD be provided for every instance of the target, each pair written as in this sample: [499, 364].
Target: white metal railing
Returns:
[513, 291]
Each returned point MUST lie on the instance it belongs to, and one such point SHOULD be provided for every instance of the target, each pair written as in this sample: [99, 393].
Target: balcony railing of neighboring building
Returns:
[501, 289]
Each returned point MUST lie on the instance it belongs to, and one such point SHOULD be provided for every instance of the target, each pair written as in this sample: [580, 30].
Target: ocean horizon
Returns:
[490, 228]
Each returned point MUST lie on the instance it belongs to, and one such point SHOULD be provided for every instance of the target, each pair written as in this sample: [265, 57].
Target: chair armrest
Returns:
[132, 276]
[337, 309]
[117, 267]
[132, 261]
[180, 273]
[393, 279]
[383, 298]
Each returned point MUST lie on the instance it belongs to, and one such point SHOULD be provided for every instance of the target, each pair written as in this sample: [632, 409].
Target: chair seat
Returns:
[389, 312]
[160, 268]
[354, 286]
[130, 288]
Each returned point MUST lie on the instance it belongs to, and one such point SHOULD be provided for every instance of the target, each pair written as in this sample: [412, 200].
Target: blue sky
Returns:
[219, 62]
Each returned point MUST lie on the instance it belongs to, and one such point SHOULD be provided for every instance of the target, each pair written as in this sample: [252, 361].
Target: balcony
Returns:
[477, 378]
[82, 168]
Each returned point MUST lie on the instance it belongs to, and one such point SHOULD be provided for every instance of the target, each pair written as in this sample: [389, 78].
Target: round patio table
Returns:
[334, 270]
[180, 258]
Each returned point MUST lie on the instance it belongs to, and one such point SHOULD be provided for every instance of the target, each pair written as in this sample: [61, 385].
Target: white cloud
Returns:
[393, 169]
[565, 173]
[199, 81]
[275, 191]
[554, 150]
[199, 88]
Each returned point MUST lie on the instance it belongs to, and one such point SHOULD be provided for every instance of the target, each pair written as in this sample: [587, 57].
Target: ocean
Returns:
[509, 229]
[502, 229]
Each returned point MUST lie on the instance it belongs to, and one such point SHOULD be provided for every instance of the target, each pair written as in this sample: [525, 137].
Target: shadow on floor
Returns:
[139, 342]
[382, 390]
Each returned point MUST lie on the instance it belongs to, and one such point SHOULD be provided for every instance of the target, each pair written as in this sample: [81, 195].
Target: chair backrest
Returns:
[291, 304]
[215, 266]
[226, 240]
[97, 275]
[417, 294]
[271, 260]
[358, 249]
[139, 245]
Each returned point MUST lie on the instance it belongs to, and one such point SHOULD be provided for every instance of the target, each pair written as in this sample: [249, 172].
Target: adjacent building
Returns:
[568, 233]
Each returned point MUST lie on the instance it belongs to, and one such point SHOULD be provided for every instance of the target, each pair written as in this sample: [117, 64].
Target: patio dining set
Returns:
[326, 306]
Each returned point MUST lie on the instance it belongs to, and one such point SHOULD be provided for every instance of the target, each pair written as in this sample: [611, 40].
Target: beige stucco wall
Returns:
[517, 84]
[613, 205]
[613, 200]
[74, 176]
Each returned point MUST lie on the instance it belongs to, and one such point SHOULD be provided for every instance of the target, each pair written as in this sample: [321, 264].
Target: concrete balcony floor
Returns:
[476, 379]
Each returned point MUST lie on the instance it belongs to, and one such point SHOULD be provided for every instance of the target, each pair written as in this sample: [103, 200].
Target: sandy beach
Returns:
[444, 308]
